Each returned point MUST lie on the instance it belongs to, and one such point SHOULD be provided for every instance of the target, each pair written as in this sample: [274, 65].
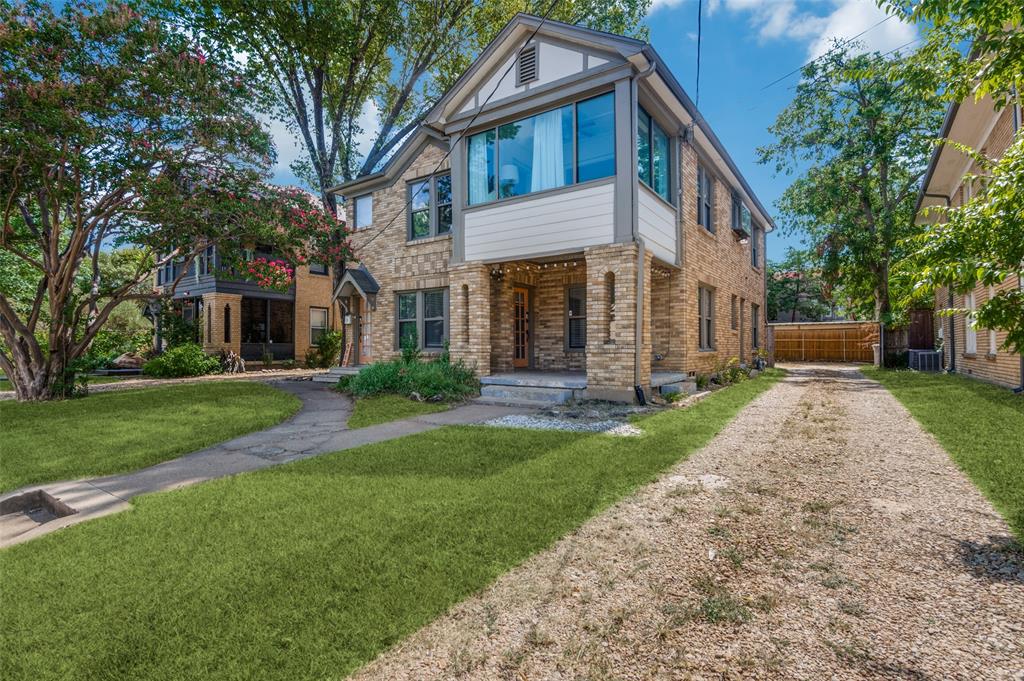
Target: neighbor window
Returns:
[706, 314]
[423, 318]
[430, 206]
[317, 268]
[541, 152]
[705, 200]
[317, 323]
[971, 334]
[653, 155]
[755, 326]
[363, 211]
[576, 318]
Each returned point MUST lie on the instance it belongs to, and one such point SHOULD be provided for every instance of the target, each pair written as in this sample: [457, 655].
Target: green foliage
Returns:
[326, 352]
[182, 360]
[369, 411]
[412, 527]
[864, 138]
[796, 290]
[702, 380]
[410, 350]
[118, 431]
[429, 380]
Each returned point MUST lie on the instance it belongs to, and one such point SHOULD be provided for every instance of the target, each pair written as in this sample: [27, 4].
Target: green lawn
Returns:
[309, 570]
[369, 411]
[93, 380]
[126, 430]
[980, 425]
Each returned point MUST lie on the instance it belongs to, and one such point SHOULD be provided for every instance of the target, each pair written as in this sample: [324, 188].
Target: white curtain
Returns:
[548, 152]
[478, 170]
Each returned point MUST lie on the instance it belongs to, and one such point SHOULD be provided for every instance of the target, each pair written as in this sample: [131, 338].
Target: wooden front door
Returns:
[520, 327]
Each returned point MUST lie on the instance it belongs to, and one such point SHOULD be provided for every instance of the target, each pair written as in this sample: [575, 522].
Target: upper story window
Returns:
[705, 200]
[543, 151]
[430, 206]
[653, 163]
[317, 268]
[362, 211]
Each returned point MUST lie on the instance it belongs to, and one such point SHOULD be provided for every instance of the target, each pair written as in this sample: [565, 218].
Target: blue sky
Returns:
[746, 44]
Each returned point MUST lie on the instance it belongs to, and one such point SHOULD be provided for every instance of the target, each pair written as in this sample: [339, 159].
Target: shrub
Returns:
[183, 360]
[326, 351]
[410, 350]
[438, 379]
[702, 381]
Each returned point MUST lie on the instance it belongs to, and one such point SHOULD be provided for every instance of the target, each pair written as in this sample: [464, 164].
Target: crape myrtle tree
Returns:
[117, 131]
[318, 65]
[860, 139]
[981, 242]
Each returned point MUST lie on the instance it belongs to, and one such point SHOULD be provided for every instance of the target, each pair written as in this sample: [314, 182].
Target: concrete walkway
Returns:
[318, 428]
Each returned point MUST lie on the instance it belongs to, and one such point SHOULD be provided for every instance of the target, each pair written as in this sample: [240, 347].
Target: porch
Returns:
[531, 387]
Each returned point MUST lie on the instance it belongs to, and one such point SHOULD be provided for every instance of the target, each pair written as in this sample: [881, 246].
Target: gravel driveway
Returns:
[822, 534]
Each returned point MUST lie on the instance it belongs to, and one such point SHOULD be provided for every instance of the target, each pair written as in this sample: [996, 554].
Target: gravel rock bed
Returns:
[822, 534]
[608, 427]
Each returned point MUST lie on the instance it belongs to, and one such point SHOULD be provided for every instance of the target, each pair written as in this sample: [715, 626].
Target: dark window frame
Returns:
[706, 318]
[318, 268]
[355, 211]
[755, 246]
[652, 127]
[705, 199]
[420, 319]
[569, 289]
[734, 319]
[755, 336]
[493, 130]
[432, 209]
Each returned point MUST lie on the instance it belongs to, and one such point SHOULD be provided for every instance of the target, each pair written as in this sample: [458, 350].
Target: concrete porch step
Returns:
[334, 374]
[532, 393]
[513, 402]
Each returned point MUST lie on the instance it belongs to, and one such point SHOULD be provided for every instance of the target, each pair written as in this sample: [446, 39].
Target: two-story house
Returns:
[234, 313]
[587, 229]
[969, 350]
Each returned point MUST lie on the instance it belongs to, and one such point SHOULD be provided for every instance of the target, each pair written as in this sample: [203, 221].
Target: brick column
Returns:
[216, 308]
[469, 329]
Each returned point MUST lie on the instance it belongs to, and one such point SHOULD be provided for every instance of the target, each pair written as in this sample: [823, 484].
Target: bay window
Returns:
[557, 148]
[653, 155]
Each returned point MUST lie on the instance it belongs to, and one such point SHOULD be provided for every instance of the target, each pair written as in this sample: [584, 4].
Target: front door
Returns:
[365, 332]
[520, 327]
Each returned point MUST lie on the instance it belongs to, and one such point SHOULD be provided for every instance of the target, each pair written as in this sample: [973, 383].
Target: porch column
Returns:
[222, 322]
[469, 329]
[611, 328]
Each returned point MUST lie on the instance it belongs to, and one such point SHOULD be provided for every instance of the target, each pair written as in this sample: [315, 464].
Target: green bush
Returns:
[326, 352]
[182, 360]
[435, 379]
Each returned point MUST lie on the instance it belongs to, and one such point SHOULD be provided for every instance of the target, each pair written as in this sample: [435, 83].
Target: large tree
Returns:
[117, 131]
[860, 139]
[796, 289]
[982, 241]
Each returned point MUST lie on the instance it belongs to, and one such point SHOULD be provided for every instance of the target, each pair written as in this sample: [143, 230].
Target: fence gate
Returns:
[824, 341]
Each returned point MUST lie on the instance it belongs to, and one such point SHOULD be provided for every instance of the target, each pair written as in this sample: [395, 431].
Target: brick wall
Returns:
[214, 315]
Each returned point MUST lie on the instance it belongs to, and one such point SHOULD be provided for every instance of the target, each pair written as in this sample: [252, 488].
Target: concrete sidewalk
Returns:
[318, 428]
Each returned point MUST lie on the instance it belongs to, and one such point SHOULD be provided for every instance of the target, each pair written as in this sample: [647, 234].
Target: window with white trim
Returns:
[317, 323]
[362, 211]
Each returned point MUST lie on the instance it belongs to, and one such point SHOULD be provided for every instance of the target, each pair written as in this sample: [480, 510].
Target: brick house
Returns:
[973, 352]
[588, 231]
[236, 314]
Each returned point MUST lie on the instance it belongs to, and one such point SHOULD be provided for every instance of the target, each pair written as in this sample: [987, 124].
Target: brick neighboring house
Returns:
[238, 315]
[973, 352]
[588, 226]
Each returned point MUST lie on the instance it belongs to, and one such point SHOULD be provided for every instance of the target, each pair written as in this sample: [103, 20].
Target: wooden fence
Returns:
[823, 341]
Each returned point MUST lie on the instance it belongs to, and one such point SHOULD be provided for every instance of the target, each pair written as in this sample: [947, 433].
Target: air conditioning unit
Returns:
[925, 360]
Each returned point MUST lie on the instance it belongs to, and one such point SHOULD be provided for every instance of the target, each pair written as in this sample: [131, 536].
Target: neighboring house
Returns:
[587, 221]
[236, 314]
[971, 351]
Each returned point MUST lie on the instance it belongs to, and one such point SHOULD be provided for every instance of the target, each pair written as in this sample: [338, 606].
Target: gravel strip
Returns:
[822, 534]
[608, 427]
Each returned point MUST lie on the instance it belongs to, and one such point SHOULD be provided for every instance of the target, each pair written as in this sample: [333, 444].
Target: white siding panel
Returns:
[564, 221]
[657, 226]
[556, 62]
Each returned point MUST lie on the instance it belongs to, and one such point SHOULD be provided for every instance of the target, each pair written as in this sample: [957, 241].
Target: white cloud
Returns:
[369, 126]
[852, 17]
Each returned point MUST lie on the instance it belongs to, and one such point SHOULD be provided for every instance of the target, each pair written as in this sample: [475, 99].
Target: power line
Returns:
[469, 126]
[841, 43]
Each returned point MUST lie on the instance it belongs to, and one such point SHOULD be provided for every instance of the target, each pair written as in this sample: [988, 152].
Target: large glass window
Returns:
[653, 155]
[430, 206]
[537, 153]
[595, 138]
[423, 318]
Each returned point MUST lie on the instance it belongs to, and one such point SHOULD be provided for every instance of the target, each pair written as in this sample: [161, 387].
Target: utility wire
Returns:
[700, 12]
[462, 135]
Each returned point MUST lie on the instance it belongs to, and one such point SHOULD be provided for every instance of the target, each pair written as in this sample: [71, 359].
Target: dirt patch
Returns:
[842, 543]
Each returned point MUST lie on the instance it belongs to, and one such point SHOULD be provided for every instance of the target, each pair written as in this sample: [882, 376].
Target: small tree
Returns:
[117, 132]
[795, 288]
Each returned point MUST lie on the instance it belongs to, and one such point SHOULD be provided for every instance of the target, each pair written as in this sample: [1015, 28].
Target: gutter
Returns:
[947, 124]
[640, 251]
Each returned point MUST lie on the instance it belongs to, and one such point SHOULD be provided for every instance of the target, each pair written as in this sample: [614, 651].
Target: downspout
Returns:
[639, 324]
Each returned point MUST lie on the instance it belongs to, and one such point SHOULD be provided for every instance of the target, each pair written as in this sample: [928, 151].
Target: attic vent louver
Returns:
[526, 65]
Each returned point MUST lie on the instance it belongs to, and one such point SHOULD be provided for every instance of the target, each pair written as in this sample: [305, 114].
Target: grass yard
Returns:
[369, 411]
[311, 569]
[121, 431]
[93, 380]
[980, 425]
